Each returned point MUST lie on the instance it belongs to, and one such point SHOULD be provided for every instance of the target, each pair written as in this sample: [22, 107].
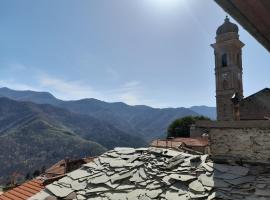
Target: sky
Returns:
[151, 52]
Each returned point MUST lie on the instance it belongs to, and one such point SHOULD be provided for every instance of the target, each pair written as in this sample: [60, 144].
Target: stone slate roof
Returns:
[155, 173]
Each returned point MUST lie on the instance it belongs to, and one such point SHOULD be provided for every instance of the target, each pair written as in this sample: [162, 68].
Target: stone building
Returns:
[230, 101]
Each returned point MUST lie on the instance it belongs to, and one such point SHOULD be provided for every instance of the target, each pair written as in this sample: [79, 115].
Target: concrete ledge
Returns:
[262, 124]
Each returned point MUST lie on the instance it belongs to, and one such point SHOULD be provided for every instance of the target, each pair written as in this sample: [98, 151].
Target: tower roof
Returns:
[227, 27]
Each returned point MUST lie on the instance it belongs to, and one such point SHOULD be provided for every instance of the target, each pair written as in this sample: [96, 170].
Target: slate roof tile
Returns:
[156, 173]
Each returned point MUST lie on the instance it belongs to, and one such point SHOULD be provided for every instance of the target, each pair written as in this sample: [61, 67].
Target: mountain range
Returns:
[37, 129]
[138, 120]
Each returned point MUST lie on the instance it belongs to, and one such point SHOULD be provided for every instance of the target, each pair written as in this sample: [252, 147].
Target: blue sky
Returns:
[153, 52]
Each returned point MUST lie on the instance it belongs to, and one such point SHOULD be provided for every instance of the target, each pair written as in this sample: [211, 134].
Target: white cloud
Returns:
[112, 73]
[12, 84]
[16, 67]
[68, 89]
[131, 92]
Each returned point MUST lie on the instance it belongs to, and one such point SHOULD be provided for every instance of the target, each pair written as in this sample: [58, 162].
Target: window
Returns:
[224, 60]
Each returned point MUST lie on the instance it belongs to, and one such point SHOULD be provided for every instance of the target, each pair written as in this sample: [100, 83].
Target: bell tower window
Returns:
[224, 60]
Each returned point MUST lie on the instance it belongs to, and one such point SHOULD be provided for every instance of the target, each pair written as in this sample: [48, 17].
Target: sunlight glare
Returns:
[166, 4]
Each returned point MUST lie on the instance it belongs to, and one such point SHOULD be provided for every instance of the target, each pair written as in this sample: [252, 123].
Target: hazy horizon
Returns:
[27, 90]
[141, 52]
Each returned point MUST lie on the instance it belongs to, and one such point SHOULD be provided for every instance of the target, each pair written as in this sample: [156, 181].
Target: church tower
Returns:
[228, 69]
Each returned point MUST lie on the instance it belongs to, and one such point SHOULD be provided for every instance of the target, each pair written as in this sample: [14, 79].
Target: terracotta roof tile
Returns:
[30, 188]
[24, 191]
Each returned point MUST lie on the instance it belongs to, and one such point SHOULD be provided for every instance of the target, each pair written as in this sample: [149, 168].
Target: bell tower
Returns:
[228, 69]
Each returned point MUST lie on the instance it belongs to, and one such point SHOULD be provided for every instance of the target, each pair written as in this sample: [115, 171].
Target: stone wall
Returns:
[245, 141]
[248, 145]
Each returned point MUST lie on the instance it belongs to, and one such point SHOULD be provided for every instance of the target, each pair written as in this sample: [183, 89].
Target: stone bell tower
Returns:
[228, 69]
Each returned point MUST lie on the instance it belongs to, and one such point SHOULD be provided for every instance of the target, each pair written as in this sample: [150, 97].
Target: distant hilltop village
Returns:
[230, 101]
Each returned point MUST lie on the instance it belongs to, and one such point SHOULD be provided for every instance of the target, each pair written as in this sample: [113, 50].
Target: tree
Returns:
[43, 169]
[181, 127]
[36, 173]
[27, 176]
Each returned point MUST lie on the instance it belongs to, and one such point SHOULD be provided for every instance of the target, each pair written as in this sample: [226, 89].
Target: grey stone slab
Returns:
[121, 150]
[206, 180]
[120, 169]
[209, 181]
[97, 162]
[171, 153]
[197, 196]
[81, 192]
[154, 185]
[93, 165]
[175, 196]
[242, 180]
[97, 189]
[142, 173]
[153, 193]
[219, 195]
[155, 150]
[179, 187]
[182, 177]
[66, 180]
[113, 154]
[135, 164]
[168, 180]
[118, 177]
[76, 185]
[133, 158]
[81, 197]
[134, 194]
[144, 197]
[59, 191]
[112, 185]
[104, 160]
[196, 186]
[117, 163]
[226, 176]
[116, 196]
[136, 177]
[207, 167]
[110, 173]
[79, 173]
[141, 149]
[99, 179]
[125, 187]
[238, 170]
[221, 167]
[261, 185]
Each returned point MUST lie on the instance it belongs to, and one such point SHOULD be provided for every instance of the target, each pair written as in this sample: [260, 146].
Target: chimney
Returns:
[66, 161]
